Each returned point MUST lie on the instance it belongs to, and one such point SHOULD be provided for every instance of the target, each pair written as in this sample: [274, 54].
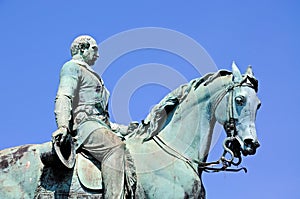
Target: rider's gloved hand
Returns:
[59, 135]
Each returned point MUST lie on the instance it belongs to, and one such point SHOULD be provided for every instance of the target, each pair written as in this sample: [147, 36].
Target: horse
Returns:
[169, 148]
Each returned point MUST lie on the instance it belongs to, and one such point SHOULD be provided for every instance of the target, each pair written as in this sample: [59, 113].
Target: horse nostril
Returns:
[256, 144]
[248, 142]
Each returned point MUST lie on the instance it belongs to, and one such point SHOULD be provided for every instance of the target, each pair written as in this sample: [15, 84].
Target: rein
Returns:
[205, 166]
[232, 138]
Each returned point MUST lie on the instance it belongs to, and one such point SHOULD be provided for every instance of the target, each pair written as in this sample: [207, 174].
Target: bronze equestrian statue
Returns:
[162, 157]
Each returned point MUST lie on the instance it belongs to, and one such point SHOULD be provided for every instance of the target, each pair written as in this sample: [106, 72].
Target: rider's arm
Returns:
[66, 91]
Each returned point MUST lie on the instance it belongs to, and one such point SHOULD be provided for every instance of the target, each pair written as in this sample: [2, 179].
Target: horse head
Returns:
[240, 103]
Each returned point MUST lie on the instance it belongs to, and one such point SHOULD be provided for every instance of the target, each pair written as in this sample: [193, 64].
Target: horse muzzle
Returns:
[249, 147]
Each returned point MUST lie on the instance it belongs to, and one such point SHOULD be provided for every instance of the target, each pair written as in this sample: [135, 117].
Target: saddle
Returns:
[87, 168]
[88, 171]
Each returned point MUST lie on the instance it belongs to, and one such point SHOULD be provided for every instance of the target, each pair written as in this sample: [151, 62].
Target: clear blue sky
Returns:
[35, 38]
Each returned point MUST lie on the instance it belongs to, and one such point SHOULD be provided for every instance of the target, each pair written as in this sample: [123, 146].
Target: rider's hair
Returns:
[80, 44]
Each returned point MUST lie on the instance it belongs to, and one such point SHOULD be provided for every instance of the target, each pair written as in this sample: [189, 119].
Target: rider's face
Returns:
[91, 54]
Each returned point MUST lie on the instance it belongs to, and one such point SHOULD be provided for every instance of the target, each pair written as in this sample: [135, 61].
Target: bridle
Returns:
[229, 143]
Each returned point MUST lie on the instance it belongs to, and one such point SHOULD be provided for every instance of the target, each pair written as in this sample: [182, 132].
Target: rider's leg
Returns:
[108, 149]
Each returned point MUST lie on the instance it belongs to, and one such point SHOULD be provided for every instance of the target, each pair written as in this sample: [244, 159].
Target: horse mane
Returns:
[210, 77]
[156, 120]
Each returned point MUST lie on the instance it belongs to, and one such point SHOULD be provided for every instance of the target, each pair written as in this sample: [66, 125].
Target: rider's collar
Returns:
[82, 63]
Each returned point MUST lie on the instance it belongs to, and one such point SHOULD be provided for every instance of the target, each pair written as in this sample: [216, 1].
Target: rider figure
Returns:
[81, 110]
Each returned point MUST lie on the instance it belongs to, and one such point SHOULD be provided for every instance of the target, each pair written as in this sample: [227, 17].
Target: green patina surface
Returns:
[34, 171]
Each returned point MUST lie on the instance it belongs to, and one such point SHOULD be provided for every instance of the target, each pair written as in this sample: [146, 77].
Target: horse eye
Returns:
[240, 100]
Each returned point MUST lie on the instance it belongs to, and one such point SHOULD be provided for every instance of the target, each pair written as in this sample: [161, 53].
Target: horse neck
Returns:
[191, 131]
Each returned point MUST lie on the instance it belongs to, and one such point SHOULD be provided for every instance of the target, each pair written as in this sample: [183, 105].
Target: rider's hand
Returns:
[59, 135]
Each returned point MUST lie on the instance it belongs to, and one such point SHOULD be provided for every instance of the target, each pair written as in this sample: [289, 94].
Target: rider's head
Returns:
[86, 48]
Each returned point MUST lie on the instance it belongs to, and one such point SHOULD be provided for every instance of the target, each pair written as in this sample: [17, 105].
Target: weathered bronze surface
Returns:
[34, 171]
[81, 110]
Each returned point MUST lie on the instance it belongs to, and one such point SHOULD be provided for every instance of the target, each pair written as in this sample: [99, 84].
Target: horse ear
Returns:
[249, 71]
[237, 76]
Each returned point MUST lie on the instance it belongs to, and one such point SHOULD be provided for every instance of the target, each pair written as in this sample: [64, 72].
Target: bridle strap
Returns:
[231, 136]
[178, 155]
[205, 166]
